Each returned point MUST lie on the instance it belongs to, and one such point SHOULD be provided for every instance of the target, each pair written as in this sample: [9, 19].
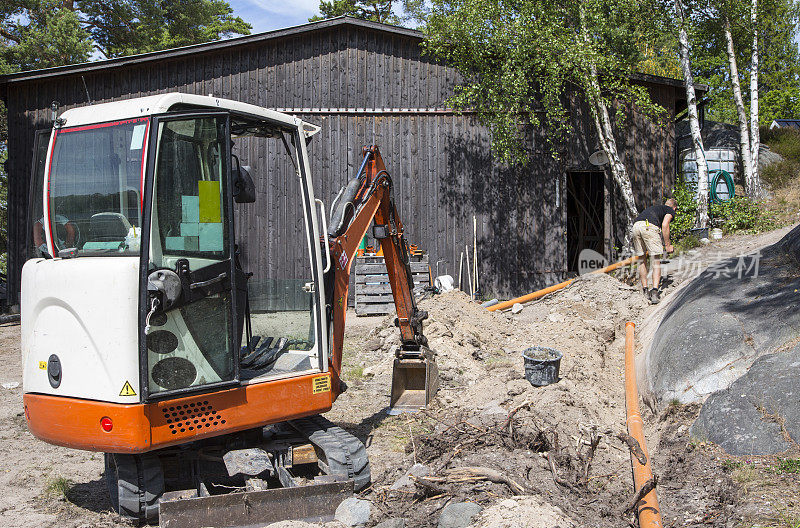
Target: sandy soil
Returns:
[469, 425]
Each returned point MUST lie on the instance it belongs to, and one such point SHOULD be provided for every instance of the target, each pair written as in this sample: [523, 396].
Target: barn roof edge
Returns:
[88, 67]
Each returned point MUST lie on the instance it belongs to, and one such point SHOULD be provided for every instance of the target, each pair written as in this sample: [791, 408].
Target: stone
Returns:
[516, 387]
[458, 515]
[373, 344]
[745, 419]
[395, 522]
[516, 308]
[523, 512]
[555, 317]
[417, 470]
[353, 512]
[730, 342]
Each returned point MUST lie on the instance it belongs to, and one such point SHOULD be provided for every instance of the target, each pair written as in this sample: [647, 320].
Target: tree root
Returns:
[633, 445]
[646, 488]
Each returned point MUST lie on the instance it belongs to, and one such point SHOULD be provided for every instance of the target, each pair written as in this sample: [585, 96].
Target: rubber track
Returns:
[140, 484]
[344, 453]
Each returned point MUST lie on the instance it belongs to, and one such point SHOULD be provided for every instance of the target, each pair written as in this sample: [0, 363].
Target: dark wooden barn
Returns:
[364, 83]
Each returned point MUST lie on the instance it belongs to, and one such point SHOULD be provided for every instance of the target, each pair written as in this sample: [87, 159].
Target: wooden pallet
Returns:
[373, 292]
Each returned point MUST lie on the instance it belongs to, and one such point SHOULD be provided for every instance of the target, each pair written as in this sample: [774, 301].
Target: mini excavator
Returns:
[156, 329]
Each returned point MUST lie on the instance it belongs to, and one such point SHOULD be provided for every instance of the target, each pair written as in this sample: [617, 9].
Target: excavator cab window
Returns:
[94, 189]
[280, 334]
[192, 345]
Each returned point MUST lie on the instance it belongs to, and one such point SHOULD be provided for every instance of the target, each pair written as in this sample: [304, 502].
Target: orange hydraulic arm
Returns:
[366, 198]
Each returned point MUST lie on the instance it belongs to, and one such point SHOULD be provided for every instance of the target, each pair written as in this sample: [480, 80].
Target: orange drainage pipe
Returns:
[556, 287]
[647, 509]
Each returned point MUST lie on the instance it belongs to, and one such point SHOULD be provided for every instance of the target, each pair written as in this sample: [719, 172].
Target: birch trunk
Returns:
[605, 132]
[754, 191]
[694, 122]
[744, 134]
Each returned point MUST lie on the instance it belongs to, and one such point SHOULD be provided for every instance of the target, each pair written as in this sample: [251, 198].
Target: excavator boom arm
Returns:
[367, 199]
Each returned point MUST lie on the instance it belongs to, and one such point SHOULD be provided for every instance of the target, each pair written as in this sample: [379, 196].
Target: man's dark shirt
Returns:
[655, 214]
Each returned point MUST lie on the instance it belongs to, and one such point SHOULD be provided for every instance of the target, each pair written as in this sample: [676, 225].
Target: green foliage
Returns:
[375, 10]
[730, 465]
[43, 33]
[355, 373]
[780, 103]
[779, 58]
[786, 142]
[518, 60]
[739, 214]
[685, 214]
[124, 27]
[40, 34]
[778, 175]
[686, 243]
[787, 465]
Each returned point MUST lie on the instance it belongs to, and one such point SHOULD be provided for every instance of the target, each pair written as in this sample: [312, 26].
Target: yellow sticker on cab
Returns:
[43, 365]
[321, 384]
[127, 390]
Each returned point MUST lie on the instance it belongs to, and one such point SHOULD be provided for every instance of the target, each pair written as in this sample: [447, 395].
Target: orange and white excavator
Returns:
[145, 336]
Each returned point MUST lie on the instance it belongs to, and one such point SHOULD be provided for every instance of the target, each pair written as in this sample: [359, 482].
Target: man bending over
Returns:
[647, 230]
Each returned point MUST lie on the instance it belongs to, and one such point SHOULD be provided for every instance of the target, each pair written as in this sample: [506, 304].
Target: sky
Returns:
[265, 15]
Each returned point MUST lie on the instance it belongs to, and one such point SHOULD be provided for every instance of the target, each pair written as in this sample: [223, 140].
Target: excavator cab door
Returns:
[189, 280]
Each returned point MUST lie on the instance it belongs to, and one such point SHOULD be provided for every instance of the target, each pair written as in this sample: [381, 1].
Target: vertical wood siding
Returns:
[441, 162]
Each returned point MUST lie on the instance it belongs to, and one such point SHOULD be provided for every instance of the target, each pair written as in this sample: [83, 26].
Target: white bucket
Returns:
[444, 283]
[716, 233]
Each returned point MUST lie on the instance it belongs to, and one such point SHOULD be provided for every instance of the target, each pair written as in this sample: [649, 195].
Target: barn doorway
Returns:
[585, 214]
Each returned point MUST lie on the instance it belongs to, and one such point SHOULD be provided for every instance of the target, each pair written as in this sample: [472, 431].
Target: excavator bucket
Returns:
[415, 381]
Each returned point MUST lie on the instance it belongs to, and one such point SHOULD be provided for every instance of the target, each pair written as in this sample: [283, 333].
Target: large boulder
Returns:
[760, 412]
[739, 311]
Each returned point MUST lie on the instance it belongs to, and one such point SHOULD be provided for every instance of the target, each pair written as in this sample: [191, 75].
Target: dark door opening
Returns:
[585, 215]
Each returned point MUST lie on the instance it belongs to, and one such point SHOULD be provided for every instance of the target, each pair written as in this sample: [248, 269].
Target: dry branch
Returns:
[646, 488]
[475, 472]
[558, 480]
[594, 442]
[634, 446]
[509, 419]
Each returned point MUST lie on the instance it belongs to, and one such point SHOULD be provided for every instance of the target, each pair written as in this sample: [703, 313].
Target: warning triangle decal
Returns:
[127, 390]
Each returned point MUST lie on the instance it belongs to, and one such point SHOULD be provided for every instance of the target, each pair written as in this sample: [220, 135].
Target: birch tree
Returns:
[754, 190]
[605, 132]
[749, 133]
[741, 114]
[726, 23]
[519, 59]
[694, 122]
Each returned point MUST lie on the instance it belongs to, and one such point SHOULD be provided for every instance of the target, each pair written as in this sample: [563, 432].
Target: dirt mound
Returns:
[490, 436]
